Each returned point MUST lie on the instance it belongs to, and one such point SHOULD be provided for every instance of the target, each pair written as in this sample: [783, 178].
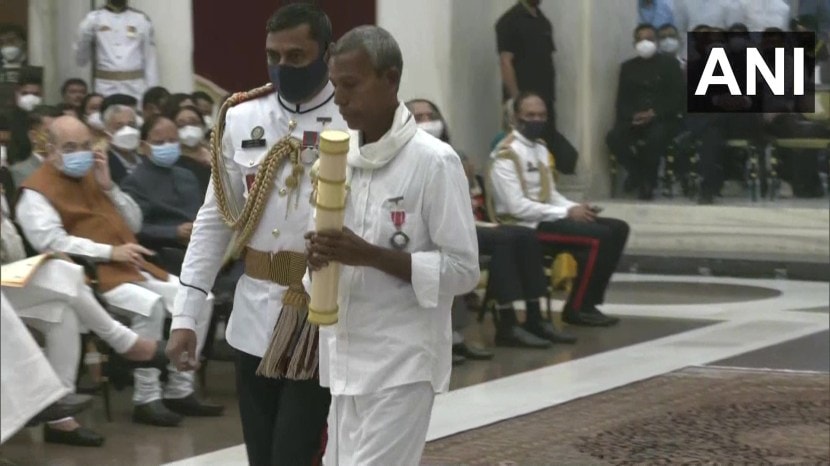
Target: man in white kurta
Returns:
[121, 42]
[409, 246]
[146, 301]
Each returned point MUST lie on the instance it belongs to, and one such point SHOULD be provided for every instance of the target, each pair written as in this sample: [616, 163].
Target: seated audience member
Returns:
[195, 154]
[13, 44]
[90, 112]
[204, 102]
[669, 43]
[169, 196]
[69, 206]
[428, 118]
[177, 100]
[57, 301]
[119, 99]
[153, 101]
[32, 393]
[121, 126]
[67, 109]
[29, 94]
[73, 92]
[516, 273]
[506, 124]
[525, 194]
[507, 247]
[39, 120]
[649, 100]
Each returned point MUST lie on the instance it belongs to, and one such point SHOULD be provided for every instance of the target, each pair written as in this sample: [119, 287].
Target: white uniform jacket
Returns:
[122, 42]
[257, 303]
[508, 197]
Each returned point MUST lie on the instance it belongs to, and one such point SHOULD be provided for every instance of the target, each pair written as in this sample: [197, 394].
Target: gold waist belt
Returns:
[285, 268]
[119, 75]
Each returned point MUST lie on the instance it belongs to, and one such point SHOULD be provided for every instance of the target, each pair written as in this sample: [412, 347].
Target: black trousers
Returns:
[283, 421]
[516, 264]
[597, 248]
[713, 130]
[640, 148]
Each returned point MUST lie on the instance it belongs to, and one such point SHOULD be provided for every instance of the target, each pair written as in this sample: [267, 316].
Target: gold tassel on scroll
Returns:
[330, 206]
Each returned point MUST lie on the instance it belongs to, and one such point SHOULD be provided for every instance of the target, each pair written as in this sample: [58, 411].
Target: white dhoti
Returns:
[57, 302]
[147, 304]
[388, 428]
[27, 382]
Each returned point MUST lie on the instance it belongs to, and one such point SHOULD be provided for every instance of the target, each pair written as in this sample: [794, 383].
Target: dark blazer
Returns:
[118, 171]
[655, 83]
[168, 197]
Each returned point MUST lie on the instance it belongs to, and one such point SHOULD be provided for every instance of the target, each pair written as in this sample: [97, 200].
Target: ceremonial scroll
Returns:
[330, 206]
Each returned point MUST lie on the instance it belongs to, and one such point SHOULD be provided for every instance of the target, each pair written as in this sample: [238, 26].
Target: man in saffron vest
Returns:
[70, 204]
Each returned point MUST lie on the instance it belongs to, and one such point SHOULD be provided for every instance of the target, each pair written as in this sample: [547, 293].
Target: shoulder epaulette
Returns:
[240, 97]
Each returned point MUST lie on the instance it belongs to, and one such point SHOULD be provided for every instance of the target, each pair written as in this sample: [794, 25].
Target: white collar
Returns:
[520, 137]
[38, 157]
[320, 99]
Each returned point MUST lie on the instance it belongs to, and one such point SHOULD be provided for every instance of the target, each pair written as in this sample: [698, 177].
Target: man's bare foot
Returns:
[66, 425]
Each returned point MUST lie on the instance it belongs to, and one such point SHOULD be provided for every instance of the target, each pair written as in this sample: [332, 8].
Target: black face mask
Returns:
[118, 3]
[532, 130]
[296, 84]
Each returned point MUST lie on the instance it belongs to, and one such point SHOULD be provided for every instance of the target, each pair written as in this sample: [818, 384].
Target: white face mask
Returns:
[646, 48]
[669, 45]
[191, 136]
[28, 102]
[126, 138]
[94, 120]
[11, 53]
[435, 127]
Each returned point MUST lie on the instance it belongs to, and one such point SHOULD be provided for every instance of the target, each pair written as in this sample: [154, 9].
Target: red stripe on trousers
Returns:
[593, 243]
[324, 440]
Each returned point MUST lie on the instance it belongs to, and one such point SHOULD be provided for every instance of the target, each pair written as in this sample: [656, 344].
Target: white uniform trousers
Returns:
[58, 303]
[388, 428]
[146, 304]
[133, 87]
[27, 382]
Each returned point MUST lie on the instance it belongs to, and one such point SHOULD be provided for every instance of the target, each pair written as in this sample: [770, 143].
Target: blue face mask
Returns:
[77, 164]
[165, 155]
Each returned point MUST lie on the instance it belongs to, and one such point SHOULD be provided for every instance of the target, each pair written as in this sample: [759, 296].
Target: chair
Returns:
[561, 272]
[819, 126]
[753, 168]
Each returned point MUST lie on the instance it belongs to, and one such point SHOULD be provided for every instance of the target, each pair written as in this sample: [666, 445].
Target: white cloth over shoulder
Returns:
[390, 332]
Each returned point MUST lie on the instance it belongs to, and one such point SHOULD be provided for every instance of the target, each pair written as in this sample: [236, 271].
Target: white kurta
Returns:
[257, 303]
[43, 227]
[122, 42]
[27, 382]
[392, 333]
[508, 197]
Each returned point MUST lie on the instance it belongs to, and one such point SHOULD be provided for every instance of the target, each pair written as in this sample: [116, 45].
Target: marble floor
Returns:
[669, 322]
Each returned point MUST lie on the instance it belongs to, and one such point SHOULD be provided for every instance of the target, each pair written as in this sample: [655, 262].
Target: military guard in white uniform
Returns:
[524, 193]
[121, 42]
[409, 246]
[259, 203]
